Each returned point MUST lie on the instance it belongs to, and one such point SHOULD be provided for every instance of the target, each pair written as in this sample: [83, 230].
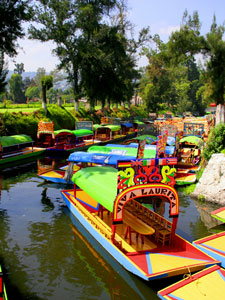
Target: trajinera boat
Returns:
[16, 148]
[112, 205]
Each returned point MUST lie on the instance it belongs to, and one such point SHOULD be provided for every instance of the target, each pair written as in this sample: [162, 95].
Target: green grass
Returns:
[16, 110]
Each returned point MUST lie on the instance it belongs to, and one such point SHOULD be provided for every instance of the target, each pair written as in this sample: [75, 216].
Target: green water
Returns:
[46, 254]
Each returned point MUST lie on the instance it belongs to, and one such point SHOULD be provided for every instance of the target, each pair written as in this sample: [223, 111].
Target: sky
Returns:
[162, 16]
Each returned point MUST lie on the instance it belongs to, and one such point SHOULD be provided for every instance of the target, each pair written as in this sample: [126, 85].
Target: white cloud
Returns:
[168, 30]
[34, 55]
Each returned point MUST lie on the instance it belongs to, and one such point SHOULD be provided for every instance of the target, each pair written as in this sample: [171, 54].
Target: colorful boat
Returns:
[213, 245]
[219, 214]
[109, 206]
[16, 148]
[107, 132]
[183, 178]
[3, 294]
[207, 284]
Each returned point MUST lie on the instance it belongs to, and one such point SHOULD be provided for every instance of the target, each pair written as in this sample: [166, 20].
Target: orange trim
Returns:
[143, 190]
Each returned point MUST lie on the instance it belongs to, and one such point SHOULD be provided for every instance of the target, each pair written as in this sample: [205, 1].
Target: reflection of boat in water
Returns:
[142, 241]
[3, 294]
[105, 269]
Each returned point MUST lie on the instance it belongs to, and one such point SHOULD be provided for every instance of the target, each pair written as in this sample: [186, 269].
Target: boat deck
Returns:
[138, 242]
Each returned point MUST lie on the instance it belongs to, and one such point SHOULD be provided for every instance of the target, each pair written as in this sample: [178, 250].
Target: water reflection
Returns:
[43, 258]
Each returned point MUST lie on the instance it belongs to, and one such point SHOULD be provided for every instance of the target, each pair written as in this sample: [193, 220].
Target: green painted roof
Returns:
[113, 127]
[62, 130]
[15, 140]
[82, 132]
[148, 153]
[95, 126]
[192, 139]
[98, 182]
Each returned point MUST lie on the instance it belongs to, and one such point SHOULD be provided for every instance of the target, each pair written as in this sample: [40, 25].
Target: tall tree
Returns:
[16, 88]
[65, 22]
[46, 84]
[13, 13]
[188, 41]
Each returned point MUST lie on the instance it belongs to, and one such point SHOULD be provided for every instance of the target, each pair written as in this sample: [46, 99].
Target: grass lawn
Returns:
[16, 110]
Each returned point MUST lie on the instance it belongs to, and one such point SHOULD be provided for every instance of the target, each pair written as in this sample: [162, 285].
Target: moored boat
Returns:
[206, 284]
[110, 205]
[213, 245]
[16, 148]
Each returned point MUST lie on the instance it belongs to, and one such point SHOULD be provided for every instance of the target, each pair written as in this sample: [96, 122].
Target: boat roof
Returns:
[15, 140]
[191, 139]
[112, 127]
[169, 149]
[148, 153]
[144, 137]
[97, 177]
[82, 132]
[127, 124]
[57, 132]
[97, 158]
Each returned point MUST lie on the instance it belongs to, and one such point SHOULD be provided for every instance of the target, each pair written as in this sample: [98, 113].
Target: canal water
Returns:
[46, 254]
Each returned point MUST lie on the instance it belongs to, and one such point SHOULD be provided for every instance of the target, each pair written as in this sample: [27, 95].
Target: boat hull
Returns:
[26, 154]
[149, 265]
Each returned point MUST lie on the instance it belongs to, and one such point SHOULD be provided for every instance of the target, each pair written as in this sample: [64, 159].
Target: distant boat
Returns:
[15, 148]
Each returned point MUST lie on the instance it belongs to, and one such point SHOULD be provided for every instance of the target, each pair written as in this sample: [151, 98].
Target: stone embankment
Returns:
[211, 185]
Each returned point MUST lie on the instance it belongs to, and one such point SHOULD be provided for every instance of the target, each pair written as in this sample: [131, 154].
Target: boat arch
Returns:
[145, 190]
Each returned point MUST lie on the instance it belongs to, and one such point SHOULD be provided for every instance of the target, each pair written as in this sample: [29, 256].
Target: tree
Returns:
[16, 88]
[3, 74]
[46, 84]
[187, 42]
[13, 13]
[32, 92]
[19, 69]
[39, 74]
[65, 22]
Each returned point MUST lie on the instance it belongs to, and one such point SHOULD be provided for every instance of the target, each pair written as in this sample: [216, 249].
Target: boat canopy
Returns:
[96, 126]
[112, 127]
[169, 149]
[148, 153]
[82, 132]
[192, 140]
[7, 141]
[107, 159]
[128, 125]
[102, 184]
[57, 132]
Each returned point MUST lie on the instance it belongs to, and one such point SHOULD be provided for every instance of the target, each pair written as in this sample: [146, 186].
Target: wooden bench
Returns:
[162, 227]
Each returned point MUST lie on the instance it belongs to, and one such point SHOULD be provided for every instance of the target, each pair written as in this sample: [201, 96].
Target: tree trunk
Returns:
[76, 106]
[59, 101]
[44, 100]
[220, 117]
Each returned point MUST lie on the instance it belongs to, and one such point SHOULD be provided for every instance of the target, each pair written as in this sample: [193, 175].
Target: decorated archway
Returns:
[145, 190]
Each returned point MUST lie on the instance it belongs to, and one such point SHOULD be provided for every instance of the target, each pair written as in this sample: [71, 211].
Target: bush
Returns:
[215, 142]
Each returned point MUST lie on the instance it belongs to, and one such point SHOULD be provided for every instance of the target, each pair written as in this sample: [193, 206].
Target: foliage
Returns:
[187, 42]
[18, 124]
[26, 123]
[61, 117]
[16, 88]
[32, 92]
[13, 13]
[215, 142]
